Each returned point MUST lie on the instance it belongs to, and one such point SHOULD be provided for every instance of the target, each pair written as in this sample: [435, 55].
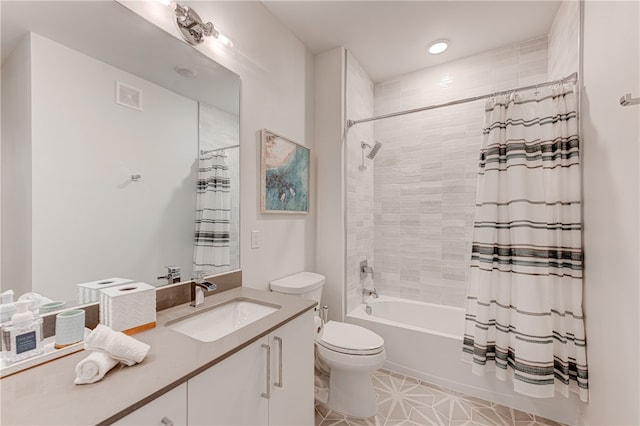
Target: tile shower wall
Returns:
[359, 181]
[564, 36]
[425, 173]
[219, 129]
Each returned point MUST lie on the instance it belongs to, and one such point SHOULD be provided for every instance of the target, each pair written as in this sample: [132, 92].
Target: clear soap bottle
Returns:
[22, 337]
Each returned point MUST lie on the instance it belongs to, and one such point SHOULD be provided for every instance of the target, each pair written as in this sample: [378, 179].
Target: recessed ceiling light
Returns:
[438, 46]
[185, 72]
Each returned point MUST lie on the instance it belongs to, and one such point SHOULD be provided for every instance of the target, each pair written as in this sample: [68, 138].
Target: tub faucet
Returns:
[366, 292]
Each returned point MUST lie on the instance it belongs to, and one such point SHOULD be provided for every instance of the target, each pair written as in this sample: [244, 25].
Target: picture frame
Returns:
[285, 175]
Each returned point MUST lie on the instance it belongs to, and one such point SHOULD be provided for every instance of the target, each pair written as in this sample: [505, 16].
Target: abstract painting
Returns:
[285, 175]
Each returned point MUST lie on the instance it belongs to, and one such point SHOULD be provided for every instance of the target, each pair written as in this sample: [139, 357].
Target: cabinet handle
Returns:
[166, 421]
[267, 394]
[279, 382]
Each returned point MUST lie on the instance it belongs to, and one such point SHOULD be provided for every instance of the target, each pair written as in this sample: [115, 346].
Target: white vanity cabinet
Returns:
[169, 409]
[268, 382]
[292, 375]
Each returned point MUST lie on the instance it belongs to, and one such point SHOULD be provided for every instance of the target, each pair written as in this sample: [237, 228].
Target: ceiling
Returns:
[137, 46]
[389, 38]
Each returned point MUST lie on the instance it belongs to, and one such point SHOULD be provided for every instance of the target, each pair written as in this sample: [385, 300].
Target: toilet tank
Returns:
[304, 284]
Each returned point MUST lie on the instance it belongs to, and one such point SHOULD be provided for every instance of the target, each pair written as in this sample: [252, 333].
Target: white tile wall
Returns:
[424, 178]
[564, 36]
[425, 173]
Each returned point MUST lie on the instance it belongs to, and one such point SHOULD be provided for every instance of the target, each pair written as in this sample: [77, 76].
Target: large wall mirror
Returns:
[120, 151]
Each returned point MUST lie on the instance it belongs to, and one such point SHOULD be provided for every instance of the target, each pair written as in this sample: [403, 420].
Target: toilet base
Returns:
[350, 388]
[351, 394]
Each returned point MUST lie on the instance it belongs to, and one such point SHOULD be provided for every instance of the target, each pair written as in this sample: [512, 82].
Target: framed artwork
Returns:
[285, 175]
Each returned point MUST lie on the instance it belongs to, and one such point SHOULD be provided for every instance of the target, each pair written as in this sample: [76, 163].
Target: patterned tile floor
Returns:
[403, 400]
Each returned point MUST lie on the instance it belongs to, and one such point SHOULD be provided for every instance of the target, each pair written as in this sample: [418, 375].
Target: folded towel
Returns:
[94, 367]
[117, 345]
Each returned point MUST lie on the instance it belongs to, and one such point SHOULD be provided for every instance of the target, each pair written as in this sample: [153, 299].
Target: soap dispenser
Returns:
[22, 337]
[7, 306]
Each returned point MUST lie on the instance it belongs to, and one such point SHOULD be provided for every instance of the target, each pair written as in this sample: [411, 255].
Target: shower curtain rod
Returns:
[203, 151]
[570, 77]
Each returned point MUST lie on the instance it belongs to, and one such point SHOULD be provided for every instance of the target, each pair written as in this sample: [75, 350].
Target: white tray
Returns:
[50, 353]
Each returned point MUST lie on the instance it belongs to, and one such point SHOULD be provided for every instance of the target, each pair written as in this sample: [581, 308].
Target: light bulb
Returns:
[225, 40]
[438, 46]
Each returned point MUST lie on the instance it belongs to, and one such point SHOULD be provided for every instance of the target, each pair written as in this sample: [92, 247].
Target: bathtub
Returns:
[424, 340]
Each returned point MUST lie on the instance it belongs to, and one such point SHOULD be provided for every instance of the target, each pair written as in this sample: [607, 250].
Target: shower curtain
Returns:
[213, 214]
[524, 302]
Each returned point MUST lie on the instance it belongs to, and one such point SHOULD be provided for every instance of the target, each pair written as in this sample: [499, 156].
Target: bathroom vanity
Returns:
[260, 374]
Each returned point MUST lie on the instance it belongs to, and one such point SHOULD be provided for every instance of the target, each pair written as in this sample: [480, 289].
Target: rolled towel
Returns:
[117, 345]
[94, 367]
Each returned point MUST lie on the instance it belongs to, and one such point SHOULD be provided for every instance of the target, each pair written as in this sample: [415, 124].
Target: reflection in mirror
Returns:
[110, 130]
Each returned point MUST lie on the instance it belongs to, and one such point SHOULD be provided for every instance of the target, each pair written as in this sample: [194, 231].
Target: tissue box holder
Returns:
[90, 292]
[130, 308]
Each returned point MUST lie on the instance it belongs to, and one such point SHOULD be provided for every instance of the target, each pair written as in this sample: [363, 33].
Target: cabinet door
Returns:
[291, 400]
[230, 392]
[168, 409]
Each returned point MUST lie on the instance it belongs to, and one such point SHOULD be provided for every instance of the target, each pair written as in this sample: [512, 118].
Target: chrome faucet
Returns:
[197, 291]
[367, 308]
[173, 274]
[199, 286]
[366, 292]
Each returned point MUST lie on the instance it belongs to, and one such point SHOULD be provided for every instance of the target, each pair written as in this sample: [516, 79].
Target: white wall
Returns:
[611, 141]
[329, 118]
[16, 170]
[277, 78]
[89, 220]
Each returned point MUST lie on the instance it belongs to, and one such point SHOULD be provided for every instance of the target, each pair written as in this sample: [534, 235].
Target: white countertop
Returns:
[46, 395]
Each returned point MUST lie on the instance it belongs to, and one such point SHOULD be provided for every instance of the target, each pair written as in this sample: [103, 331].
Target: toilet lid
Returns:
[350, 339]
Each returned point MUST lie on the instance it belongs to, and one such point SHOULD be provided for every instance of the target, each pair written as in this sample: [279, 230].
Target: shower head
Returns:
[374, 150]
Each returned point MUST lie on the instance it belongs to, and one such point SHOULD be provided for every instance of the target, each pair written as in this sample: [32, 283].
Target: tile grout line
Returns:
[399, 389]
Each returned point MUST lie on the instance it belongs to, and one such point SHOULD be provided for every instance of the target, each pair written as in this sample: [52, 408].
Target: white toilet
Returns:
[346, 354]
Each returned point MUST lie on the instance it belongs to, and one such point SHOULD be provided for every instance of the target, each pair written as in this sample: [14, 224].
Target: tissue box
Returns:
[90, 292]
[129, 308]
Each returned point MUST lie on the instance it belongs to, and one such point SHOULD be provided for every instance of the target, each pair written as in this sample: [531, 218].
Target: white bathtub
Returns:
[441, 320]
[424, 340]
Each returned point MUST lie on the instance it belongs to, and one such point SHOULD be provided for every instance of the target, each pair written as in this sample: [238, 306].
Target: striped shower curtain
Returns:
[524, 302]
[213, 214]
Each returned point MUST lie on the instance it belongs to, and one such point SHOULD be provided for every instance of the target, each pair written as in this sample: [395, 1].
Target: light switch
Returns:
[255, 239]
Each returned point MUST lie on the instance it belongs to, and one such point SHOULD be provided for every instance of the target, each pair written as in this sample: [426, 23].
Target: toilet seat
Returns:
[350, 339]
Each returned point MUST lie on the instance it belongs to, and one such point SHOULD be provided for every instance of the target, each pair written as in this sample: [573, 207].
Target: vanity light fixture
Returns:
[438, 46]
[192, 28]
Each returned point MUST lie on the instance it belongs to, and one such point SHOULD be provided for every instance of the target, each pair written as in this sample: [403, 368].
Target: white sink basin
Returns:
[218, 321]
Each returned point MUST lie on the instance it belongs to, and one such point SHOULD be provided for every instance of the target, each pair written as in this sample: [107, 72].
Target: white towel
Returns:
[118, 345]
[94, 367]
